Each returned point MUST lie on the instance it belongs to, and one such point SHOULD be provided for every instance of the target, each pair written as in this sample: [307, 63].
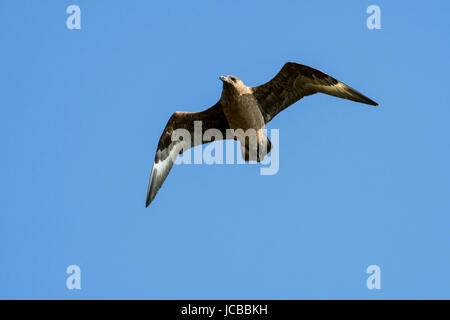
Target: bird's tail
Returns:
[263, 147]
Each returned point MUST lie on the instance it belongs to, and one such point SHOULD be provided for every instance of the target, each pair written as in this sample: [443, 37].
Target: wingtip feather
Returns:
[150, 196]
[150, 192]
[358, 96]
[371, 103]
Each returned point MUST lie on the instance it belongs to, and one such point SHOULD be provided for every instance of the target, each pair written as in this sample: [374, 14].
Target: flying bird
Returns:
[242, 107]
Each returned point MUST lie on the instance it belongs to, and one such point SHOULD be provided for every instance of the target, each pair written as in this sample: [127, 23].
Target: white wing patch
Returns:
[341, 90]
[164, 161]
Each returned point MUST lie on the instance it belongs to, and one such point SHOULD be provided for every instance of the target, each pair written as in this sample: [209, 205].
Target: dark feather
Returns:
[295, 81]
[168, 150]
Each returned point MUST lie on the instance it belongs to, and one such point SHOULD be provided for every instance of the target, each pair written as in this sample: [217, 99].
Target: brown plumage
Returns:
[242, 107]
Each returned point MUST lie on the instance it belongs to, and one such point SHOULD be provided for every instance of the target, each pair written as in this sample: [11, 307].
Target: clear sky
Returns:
[81, 112]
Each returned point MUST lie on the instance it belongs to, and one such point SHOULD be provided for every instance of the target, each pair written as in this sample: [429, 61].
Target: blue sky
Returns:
[82, 111]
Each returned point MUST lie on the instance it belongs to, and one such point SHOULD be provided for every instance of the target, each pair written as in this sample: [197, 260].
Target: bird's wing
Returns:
[168, 150]
[293, 82]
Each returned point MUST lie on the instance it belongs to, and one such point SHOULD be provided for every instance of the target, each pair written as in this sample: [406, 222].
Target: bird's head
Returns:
[232, 81]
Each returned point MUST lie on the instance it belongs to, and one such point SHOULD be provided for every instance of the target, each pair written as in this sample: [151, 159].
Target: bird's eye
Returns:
[233, 79]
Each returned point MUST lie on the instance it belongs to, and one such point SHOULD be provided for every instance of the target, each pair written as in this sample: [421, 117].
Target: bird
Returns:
[246, 108]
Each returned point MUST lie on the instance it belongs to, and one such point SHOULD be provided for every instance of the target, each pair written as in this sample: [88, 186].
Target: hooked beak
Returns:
[223, 78]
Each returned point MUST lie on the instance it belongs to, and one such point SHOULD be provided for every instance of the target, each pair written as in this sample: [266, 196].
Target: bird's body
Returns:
[242, 112]
[246, 111]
